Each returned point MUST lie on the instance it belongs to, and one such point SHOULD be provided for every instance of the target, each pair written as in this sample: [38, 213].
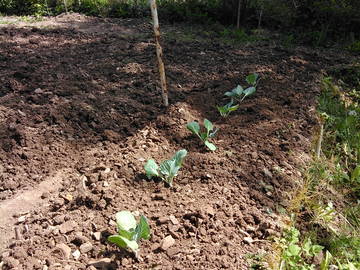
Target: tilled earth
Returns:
[81, 112]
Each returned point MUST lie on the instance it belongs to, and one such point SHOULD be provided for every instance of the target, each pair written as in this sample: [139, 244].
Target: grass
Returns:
[325, 211]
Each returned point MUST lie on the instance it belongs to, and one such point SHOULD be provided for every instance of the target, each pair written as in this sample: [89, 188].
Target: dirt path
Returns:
[79, 95]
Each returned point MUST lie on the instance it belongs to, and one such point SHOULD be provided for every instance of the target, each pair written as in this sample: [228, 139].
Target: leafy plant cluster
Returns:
[298, 255]
[129, 231]
[334, 174]
[238, 94]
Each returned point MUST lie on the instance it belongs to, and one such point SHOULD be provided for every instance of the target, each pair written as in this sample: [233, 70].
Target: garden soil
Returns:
[81, 112]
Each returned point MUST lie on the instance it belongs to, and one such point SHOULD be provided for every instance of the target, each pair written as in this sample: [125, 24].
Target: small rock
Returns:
[97, 236]
[248, 240]
[174, 220]
[86, 247]
[162, 220]
[68, 267]
[107, 170]
[172, 251]
[21, 219]
[38, 91]
[167, 242]
[45, 195]
[103, 263]
[267, 173]
[76, 254]
[68, 226]
[65, 249]
[106, 184]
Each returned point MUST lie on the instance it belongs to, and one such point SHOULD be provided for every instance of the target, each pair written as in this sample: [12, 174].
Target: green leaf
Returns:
[179, 157]
[209, 145]
[208, 125]
[151, 168]
[238, 90]
[249, 91]
[125, 220]
[169, 169]
[294, 250]
[194, 127]
[142, 230]
[315, 249]
[123, 242]
[252, 78]
[326, 261]
[117, 240]
[355, 173]
[230, 94]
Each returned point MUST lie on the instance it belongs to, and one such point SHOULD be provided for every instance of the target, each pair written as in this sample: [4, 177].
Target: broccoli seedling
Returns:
[168, 169]
[194, 127]
[130, 232]
[240, 93]
[227, 108]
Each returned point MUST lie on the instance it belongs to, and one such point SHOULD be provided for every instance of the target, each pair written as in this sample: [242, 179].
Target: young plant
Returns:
[168, 169]
[194, 127]
[227, 108]
[240, 93]
[130, 232]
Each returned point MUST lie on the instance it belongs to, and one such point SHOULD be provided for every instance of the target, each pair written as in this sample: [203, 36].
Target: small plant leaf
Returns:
[179, 157]
[118, 240]
[123, 242]
[142, 230]
[249, 91]
[238, 90]
[169, 169]
[252, 78]
[209, 145]
[294, 250]
[151, 169]
[355, 173]
[194, 127]
[125, 220]
[208, 125]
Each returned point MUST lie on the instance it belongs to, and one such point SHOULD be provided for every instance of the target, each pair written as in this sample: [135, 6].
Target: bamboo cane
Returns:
[159, 52]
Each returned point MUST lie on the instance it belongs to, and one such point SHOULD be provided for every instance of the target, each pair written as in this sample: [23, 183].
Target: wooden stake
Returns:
[238, 15]
[159, 52]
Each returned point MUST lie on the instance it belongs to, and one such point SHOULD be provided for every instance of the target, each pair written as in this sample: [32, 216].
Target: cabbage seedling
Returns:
[240, 93]
[130, 232]
[227, 108]
[168, 169]
[194, 127]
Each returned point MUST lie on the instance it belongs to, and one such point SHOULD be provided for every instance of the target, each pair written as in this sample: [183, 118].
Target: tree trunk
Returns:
[159, 52]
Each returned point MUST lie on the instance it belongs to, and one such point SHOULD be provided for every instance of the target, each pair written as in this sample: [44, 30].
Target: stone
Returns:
[103, 263]
[65, 249]
[162, 220]
[167, 242]
[38, 91]
[68, 226]
[248, 240]
[86, 247]
[76, 254]
[172, 251]
[267, 173]
[173, 220]
[97, 236]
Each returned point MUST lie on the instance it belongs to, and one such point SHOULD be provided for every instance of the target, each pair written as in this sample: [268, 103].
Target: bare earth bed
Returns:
[80, 113]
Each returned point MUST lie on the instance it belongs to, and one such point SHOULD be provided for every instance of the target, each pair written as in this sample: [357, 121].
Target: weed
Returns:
[168, 169]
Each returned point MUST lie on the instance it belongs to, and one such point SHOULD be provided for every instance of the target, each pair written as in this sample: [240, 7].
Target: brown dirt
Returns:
[79, 102]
